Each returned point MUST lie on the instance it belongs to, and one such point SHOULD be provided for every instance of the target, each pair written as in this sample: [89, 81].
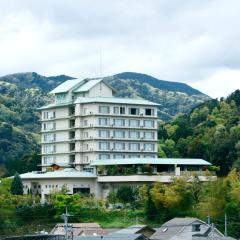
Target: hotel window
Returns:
[149, 123]
[85, 123]
[118, 156]
[119, 146]
[134, 123]
[85, 146]
[104, 145]
[71, 111]
[119, 122]
[72, 135]
[85, 158]
[60, 97]
[134, 146]
[134, 111]
[48, 159]
[149, 112]
[48, 115]
[72, 159]
[103, 121]
[119, 134]
[72, 123]
[149, 156]
[134, 135]
[149, 135]
[116, 110]
[49, 137]
[49, 148]
[149, 147]
[49, 126]
[104, 109]
[85, 134]
[134, 156]
[45, 115]
[72, 146]
[122, 110]
[104, 156]
[103, 133]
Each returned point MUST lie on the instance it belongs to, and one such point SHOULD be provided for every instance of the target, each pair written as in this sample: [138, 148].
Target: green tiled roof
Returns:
[66, 173]
[53, 105]
[66, 86]
[153, 161]
[88, 85]
[114, 100]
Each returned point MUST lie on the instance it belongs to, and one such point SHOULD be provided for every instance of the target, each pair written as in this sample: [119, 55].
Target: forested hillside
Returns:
[211, 131]
[173, 97]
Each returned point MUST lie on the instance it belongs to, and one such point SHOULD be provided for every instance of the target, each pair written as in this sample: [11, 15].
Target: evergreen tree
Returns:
[17, 186]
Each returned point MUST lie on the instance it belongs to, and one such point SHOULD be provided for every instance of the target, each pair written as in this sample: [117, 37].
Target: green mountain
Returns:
[210, 131]
[173, 97]
[22, 93]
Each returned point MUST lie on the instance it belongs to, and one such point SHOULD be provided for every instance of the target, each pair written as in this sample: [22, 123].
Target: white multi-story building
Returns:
[92, 142]
[86, 123]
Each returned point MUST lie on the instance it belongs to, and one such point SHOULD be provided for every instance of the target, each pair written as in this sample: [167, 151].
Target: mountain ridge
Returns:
[159, 83]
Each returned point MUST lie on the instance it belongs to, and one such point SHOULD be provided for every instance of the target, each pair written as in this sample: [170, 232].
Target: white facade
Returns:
[77, 132]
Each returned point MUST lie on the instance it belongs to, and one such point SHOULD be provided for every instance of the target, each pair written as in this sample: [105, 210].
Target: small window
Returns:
[122, 110]
[72, 135]
[116, 110]
[134, 111]
[104, 109]
[119, 122]
[104, 156]
[72, 158]
[72, 111]
[72, 123]
[103, 121]
[196, 227]
[148, 112]
[72, 146]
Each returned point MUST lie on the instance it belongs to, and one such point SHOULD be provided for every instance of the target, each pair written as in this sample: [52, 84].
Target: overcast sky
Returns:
[191, 41]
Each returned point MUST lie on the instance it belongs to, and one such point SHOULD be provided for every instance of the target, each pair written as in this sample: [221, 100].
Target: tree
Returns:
[126, 194]
[112, 197]
[17, 186]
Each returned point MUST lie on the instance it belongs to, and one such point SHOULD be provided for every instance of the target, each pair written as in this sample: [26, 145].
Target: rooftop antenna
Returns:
[100, 62]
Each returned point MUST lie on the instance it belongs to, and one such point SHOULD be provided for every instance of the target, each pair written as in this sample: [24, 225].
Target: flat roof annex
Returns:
[66, 173]
[152, 161]
[115, 100]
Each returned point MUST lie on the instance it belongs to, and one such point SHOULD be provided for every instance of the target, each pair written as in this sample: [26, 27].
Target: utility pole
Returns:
[212, 231]
[208, 220]
[225, 233]
[67, 228]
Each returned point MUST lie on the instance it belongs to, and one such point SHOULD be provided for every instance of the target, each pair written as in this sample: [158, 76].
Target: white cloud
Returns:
[189, 41]
[221, 83]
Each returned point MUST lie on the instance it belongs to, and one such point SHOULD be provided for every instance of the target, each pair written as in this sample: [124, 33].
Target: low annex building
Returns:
[93, 142]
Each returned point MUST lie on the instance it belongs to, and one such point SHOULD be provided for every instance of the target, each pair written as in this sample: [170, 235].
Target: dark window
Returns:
[72, 111]
[72, 135]
[72, 123]
[134, 111]
[72, 158]
[72, 146]
[82, 191]
[196, 227]
[122, 110]
[148, 111]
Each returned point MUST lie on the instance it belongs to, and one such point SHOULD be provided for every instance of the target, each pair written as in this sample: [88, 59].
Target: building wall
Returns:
[78, 136]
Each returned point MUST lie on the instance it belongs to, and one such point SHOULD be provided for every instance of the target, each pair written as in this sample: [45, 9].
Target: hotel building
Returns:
[93, 142]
